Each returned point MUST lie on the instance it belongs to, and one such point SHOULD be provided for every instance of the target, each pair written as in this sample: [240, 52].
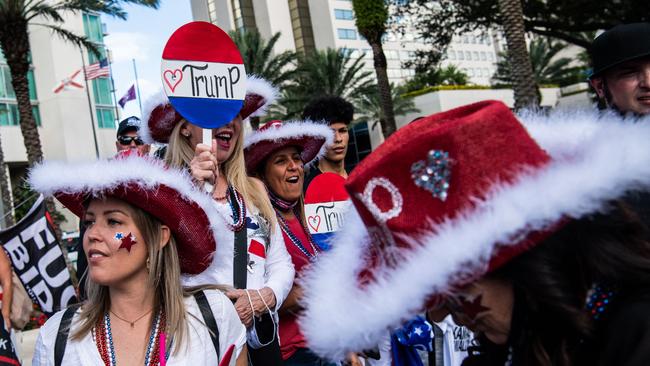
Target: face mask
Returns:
[264, 329]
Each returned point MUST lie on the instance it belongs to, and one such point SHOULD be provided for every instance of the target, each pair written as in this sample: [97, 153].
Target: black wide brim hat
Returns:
[620, 44]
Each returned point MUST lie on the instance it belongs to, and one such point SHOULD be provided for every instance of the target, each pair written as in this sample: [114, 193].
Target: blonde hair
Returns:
[180, 153]
[164, 278]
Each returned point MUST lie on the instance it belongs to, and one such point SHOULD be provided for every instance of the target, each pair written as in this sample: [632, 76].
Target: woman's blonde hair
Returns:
[180, 153]
[164, 278]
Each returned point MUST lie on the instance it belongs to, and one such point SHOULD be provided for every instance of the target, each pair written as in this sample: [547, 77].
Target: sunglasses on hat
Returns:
[126, 140]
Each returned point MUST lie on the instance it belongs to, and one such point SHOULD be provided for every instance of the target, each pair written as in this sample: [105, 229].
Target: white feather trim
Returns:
[104, 175]
[259, 86]
[595, 159]
[293, 129]
[150, 104]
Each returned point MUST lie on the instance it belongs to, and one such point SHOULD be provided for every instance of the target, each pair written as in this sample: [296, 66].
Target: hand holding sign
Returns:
[203, 76]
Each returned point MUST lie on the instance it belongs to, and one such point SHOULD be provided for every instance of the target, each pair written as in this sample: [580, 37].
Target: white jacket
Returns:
[271, 267]
[200, 350]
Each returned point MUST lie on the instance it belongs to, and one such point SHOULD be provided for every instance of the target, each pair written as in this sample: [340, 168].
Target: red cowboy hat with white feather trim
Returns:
[453, 196]
[167, 194]
[159, 116]
[311, 139]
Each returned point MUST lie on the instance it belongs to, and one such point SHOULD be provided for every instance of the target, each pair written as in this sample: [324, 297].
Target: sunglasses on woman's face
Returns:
[126, 140]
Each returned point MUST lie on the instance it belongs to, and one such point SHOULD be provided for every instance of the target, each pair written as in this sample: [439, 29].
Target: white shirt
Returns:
[199, 350]
[456, 341]
[270, 263]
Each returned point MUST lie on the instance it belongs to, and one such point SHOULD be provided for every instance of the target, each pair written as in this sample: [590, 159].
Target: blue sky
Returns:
[142, 37]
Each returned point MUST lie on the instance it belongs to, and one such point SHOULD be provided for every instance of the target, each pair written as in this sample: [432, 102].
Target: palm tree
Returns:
[371, 17]
[369, 106]
[524, 86]
[260, 60]
[325, 72]
[15, 18]
[450, 75]
[547, 67]
[4, 187]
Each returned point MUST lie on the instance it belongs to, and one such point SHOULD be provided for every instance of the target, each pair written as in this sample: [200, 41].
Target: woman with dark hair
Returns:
[584, 288]
[276, 154]
[513, 228]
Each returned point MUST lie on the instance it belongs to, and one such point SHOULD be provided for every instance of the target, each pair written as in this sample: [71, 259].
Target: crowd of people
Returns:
[475, 236]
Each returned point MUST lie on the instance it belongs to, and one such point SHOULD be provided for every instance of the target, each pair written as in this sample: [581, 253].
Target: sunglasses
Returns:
[126, 140]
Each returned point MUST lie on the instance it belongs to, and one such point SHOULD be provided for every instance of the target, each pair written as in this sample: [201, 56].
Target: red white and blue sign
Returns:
[326, 202]
[203, 74]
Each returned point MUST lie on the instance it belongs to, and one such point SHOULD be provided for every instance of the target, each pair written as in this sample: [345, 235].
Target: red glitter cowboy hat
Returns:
[309, 137]
[167, 194]
[453, 196]
[159, 117]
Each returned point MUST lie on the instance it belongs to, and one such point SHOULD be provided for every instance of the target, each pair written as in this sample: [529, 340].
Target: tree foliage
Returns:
[368, 107]
[371, 17]
[450, 75]
[259, 58]
[324, 72]
[547, 67]
[437, 22]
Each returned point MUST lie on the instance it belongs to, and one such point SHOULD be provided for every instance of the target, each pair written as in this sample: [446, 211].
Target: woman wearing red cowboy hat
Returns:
[277, 153]
[145, 226]
[248, 220]
[513, 228]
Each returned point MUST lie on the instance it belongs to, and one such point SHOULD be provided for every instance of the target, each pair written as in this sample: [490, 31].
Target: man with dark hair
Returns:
[128, 138]
[621, 68]
[337, 113]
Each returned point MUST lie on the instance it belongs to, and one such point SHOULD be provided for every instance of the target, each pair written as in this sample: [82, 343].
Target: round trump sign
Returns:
[326, 202]
[203, 74]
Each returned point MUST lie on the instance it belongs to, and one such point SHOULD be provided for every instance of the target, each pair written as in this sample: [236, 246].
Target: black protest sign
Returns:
[38, 261]
[7, 351]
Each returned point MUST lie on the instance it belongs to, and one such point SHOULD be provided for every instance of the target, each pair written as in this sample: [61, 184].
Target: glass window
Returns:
[102, 91]
[465, 39]
[9, 115]
[32, 85]
[468, 55]
[93, 59]
[483, 56]
[452, 54]
[490, 56]
[6, 90]
[93, 28]
[105, 118]
[472, 39]
[344, 33]
[475, 56]
[343, 14]
[2, 56]
[470, 72]
[486, 72]
[461, 55]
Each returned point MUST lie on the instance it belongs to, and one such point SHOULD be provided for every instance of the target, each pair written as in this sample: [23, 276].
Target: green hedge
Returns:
[436, 88]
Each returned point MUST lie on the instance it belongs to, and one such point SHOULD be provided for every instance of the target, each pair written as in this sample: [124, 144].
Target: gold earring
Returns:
[186, 134]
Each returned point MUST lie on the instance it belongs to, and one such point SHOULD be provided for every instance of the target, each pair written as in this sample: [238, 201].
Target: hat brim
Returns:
[599, 72]
[595, 159]
[167, 194]
[310, 138]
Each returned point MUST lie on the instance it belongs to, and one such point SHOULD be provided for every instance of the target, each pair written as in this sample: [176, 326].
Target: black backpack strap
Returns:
[62, 335]
[208, 318]
[240, 259]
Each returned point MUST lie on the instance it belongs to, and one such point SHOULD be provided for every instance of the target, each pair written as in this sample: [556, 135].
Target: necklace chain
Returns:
[104, 340]
[132, 323]
[294, 239]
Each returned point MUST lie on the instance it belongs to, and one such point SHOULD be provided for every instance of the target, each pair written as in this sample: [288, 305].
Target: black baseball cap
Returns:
[620, 44]
[128, 124]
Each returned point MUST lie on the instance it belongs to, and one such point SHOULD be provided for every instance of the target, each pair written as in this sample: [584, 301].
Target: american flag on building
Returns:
[98, 69]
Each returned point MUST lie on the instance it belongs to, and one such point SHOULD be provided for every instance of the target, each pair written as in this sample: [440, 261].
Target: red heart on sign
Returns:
[175, 76]
[314, 222]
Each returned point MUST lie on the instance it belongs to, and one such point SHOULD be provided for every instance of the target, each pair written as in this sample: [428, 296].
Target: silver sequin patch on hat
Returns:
[433, 174]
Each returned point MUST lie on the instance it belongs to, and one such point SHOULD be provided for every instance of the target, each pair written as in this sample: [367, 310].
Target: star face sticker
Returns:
[472, 308]
[119, 235]
[127, 242]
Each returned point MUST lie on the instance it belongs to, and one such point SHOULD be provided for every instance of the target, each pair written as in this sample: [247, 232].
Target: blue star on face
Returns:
[119, 236]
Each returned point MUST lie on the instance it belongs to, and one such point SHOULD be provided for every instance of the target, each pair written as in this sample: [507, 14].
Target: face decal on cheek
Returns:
[472, 308]
[119, 236]
[126, 241]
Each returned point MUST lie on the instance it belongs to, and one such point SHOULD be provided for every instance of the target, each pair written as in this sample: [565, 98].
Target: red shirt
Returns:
[291, 338]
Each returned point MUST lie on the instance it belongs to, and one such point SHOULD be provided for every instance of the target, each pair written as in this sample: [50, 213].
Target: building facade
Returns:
[66, 118]
[318, 24]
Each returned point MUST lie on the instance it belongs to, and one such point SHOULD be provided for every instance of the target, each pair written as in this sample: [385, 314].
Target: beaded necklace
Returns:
[279, 203]
[294, 239]
[238, 208]
[104, 341]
